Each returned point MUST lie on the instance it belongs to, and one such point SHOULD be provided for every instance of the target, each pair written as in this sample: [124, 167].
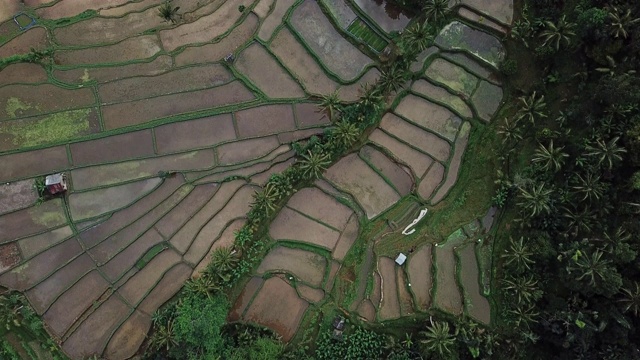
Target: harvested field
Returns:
[246, 150]
[217, 51]
[417, 161]
[113, 148]
[404, 296]
[348, 237]
[33, 163]
[335, 52]
[398, 177]
[193, 134]
[310, 294]
[263, 7]
[481, 20]
[166, 288]
[447, 295]
[367, 310]
[472, 66]
[17, 195]
[487, 99]
[441, 95]
[431, 180]
[291, 225]
[181, 213]
[35, 38]
[135, 48]
[33, 220]
[204, 29]
[33, 245]
[141, 111]
[140, 283]
[477, 305]
[416, 137]
[302, 65]
[126, 341]
[22, 73]
[390, 304]
[265, 72]
[156, 66]
[9, 256]
[274, 19]
[458, 36]
[452, 76]
[420, 277]
[27, 100]
[376, 293]
[454, 165]
[305, 265]
[245, 298]
[341, 12]
[385, 14]
[176, 81]
[354, 91]
[265, 120]
[8, 8]
[429, 116]
[501, 10]
[63, 9]
[115, 268]
[370, 190]
[316, 204]
[307, 115]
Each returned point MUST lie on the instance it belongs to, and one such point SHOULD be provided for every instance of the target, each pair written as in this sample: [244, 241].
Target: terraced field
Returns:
[164, 143]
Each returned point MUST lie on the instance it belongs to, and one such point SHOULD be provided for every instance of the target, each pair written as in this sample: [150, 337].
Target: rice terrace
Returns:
[264, 159]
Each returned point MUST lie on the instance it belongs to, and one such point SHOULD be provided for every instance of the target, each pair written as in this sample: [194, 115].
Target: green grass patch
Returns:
[57, 127]
[362, 31]
[23, 20]
[150, 254]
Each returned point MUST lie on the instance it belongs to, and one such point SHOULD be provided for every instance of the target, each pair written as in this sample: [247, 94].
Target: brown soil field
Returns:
[236, 208]
[399, 178]
[431, 180]
[244, 298]
[472, 66]
[8, 8]
[193, 134]
[218, 174]
[246, 150]
[370, 190]
[9, 256]
[97, 202]
[419, 273]
[35, 244]
[217, 51]
[390, 305]
[441, 95]
[263, 7]
[307, 115]
[337, 54]
[92, 335]
[74, 302]
[292, 136]
[302, 65]
[26, 100]
[429, 116]
[454, 165]
[33, 220]
[63, 9]
[126, 341]
[108, 30]
[176, 81]
[316, 204]
[265, 120]
[32, 163]
[181, 213]
[45, 293]
[127, 258]
[204, 29]
[453, 76]
[274, 19]
[17, 195]
[447, 295]
[23, 73]
[291, 225]
[35, 38]
[416, 137]
[113, 148]
[265, 72]
[305, 265]
[171, 282]
[477, 306]
[376, 293]
[349, 235]
[367, 310]
[417, 161]
[141, 111]
[310, 294]
[135, 48]
[157, 66]
[404, 296]
[144, 280]
[123, 9]
[487, 99]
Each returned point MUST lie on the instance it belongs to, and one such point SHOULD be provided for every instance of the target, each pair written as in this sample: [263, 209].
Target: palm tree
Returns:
[606, 152]
[510, 131]
[201, 286]
[621, 23]
[551, 158]
[438, 339]
[392, 79]
[578, 220]
[330, 104]
[223, 259]
[163, 337]
[168, 12]
[532, 107]
[631, 299]
[370, 96]
[436, 10]
[536, 201]
[592, 268]
[417, 37]
[265, 200]
[590, 186]
[518, 255]
[523, 314]
[314, 164]
[556, 34]
[345, 134]
[524, 287]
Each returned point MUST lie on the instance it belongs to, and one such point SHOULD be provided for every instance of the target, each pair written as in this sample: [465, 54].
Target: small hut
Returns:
[401, 259]
[55, 183]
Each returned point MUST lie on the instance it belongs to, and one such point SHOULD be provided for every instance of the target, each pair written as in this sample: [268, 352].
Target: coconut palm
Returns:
[557, 34]
[536, 200]
[550, 157]
[631, 299]
[223, 258]
[591, 268]
[168, 12]
[532, 108]
[163, 337]
[525, 288]
[330, 104]
[314, 164]
[201, 286]
[392, 79]
[344, 134]
[607, 153]
[436, 10]
[418, 37]
[370, 96]
[438, 339]
[265, 200]
[523, 314]
[589, 186]
[578, 220]
[518, 255]
[621, 23]
[510, 131]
